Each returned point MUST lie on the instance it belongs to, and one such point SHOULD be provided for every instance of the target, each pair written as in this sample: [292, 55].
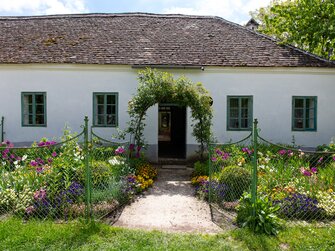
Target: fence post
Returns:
[2, 130]
[88, 188]
[254, 170]
[210, 174]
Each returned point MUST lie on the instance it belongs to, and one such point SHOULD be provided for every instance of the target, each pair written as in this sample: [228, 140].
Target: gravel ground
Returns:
[169, 205]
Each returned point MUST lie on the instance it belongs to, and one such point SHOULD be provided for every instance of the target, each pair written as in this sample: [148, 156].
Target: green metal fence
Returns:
[46, 180]
[109, 168]
[300, 182]
[2, 132]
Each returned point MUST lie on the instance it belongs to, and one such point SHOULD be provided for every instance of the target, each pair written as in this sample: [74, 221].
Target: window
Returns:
[239, 113]
[105, 109]
[304, 113]
[34, 109]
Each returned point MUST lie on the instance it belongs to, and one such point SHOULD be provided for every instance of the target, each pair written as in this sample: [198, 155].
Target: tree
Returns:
[306, 24]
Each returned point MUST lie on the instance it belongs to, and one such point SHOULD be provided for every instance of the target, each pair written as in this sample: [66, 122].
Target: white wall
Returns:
[69, 98]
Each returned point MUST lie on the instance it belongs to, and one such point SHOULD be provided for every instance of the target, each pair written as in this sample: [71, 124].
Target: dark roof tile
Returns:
[143, 39]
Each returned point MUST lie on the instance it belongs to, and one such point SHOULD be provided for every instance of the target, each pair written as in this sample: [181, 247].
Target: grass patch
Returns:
[46, 235]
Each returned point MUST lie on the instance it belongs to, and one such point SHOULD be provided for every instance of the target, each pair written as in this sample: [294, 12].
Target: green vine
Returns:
[160, 87]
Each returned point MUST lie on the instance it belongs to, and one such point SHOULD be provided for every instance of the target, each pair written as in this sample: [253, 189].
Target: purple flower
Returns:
[218, 152]
[225, 156]
[320, 160]
[246, 150]
[5, 151]
[131, 147]
[307, 173]
[53, 142]
[50, 160]
[7, 142]
[334, 158]
[54, 154]
[40, 161]
[39, 169]
[282, 152]
[214, 159]
[314, 169]
[12, 156]
[120, 150]
[42, 143]
[33, 163]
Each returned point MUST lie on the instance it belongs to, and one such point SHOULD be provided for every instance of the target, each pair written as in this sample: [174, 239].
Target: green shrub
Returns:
[200, 169]
[263, 221]
[237, 179]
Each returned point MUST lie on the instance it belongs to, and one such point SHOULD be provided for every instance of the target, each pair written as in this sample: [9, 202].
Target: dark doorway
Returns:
[171, 131]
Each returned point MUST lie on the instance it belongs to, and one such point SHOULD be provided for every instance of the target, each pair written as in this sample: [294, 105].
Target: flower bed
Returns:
[48, 180]
[301, 183]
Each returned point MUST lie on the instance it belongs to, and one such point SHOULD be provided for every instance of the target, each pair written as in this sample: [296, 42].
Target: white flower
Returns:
[24, 157]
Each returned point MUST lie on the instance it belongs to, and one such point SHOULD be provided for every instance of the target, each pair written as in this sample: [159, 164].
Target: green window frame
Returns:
[34, 109]
[239, 113]
[105, 109]
[304, 113]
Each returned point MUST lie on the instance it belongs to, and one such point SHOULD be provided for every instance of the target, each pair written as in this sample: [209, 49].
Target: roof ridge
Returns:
[121, 14]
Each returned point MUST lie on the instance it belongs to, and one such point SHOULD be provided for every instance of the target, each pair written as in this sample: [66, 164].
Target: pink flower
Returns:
[218, 151]
[314, 169]
[334, 158]
[307, 173]
[246, 150]
[225, 156]
[131, 147]
[54, 154]
[120, 150]
[282, 152]
[214, 159]
[30, 209]
[42, 143]
[320, 160]
[39, 169]
[33, 163]
[40, 194]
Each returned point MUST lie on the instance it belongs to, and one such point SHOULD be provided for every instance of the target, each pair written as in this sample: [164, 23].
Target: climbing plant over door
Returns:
[161, 87]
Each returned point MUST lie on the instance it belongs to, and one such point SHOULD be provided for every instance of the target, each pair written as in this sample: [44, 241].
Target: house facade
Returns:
[57, 69]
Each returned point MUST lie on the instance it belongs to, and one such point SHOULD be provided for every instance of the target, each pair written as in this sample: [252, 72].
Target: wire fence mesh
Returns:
[301, 182]
[110, 168]
[229, 173]
[46, 180]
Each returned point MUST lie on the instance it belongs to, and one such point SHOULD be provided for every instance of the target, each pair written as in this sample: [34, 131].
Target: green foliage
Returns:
[160, 87]
[264, 220]
[201, 169]
[237, 179]
[307, 24]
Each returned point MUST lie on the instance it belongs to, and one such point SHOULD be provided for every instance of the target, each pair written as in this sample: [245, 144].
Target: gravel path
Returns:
[170, 206]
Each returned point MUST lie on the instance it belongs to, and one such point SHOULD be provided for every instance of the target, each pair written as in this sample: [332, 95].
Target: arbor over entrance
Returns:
[160, 87]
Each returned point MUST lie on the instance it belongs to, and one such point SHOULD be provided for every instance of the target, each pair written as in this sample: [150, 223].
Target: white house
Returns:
[57, 69]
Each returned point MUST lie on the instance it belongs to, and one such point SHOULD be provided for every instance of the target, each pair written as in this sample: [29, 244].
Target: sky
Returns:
[233, 10]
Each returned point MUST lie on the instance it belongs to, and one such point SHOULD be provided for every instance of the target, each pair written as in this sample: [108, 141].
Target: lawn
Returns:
[47, 235]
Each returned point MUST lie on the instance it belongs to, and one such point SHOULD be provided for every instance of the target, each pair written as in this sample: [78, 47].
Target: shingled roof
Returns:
[143, 39]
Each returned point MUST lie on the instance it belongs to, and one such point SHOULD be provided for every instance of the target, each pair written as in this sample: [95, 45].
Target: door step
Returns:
[171, 161]
[173, 167]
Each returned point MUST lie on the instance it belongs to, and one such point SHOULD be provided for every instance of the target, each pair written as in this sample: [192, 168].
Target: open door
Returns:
[171, 131]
